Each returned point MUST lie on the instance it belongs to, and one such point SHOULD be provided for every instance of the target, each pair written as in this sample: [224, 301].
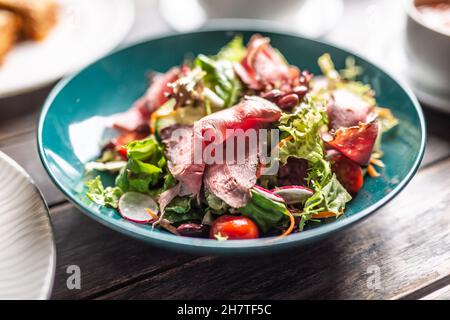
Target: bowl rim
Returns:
[207, 245]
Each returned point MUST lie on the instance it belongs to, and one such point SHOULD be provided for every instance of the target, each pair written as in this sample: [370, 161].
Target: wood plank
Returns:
[441, 294]
[426, 289]
[24, 151]
[406, 244]
[108, 260]
[19, 115]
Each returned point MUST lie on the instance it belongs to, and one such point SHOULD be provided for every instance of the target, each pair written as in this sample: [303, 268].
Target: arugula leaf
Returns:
[108, 196]
[144, 168]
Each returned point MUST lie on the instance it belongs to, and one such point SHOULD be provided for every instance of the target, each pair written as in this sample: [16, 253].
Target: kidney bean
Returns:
[288, 101]
[272, 94]
[193, 230]
[300, 90]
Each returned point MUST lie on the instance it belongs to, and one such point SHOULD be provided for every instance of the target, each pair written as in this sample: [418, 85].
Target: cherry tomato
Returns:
[233, 227]
[348, 173]
[123, 152]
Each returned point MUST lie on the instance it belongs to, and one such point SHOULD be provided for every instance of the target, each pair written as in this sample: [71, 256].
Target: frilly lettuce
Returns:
[344, 79]
[303, 127]
[108, 196]
[302, 131]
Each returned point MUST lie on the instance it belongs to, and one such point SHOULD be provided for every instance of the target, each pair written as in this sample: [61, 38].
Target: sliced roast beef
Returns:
[231, 182]
[159, 91]
[356, 143]
[179, 144]
[136, 119]
[251, 113]
[263, 66]
[167, 196]
[347, 109]
[265, 70]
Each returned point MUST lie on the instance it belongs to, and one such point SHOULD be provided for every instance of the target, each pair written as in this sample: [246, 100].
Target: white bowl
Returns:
[428, 50]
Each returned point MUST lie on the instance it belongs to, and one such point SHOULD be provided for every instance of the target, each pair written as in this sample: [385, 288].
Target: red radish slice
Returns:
[293, 194]
[132, 207]
[268, 194]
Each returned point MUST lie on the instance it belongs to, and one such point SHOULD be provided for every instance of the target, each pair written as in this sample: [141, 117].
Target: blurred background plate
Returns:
[311, 18]
[27, 249]
[85, 31]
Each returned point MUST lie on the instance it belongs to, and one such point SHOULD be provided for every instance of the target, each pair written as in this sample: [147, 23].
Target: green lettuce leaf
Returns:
[182, 209]
[217, 205]
[331, 197]
[266, 213]
[108, 196]
[221, 79]
[304, 125]
[145, 167]
[234, 51]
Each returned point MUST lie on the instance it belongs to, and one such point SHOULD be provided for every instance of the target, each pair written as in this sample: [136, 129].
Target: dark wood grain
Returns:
[441, 294]
[19, 114]
[24, 151]
[108, 260]
[408, 241]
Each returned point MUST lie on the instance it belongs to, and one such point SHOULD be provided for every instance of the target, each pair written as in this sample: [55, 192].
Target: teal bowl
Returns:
[74, 117]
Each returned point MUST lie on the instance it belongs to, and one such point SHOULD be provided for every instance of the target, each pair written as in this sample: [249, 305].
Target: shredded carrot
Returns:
[372, 172]
[284, 141]
[377, 162]
[153, 118]
[383, 111]
[291, 226]
[152, 213]
[155, 115]
[323, 214]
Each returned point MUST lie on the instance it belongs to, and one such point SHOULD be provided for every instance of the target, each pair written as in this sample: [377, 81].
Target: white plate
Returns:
[391, 54]
[27, 248]
[85, 31]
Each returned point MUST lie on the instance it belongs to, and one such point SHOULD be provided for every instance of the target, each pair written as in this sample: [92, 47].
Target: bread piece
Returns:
[38, 16]
[9, 30]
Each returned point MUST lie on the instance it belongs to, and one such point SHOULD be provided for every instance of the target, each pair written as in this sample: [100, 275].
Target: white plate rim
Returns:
[47, 288]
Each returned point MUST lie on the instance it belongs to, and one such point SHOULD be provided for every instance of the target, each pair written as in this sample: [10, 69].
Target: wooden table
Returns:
[406, 243]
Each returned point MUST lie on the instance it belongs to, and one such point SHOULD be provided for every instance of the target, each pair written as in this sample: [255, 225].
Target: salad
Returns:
[241, 145]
